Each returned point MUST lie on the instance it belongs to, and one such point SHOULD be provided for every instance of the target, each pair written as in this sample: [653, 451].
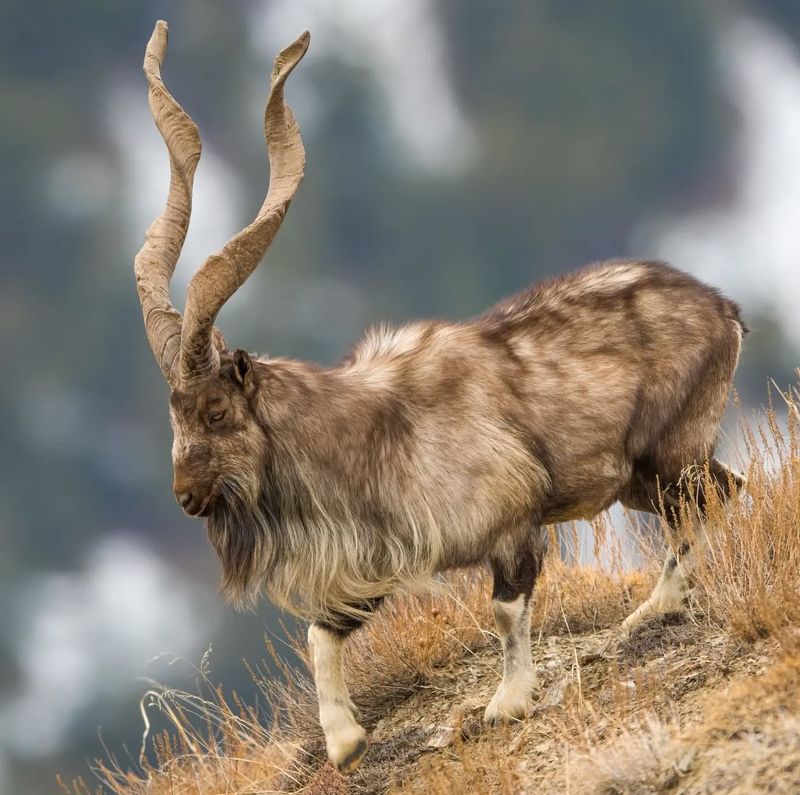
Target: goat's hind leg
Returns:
[669, 593]
[511, 602]
[345, 738]
[674, 583]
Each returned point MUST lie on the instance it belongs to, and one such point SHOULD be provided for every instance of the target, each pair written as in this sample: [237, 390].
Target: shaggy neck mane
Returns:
[312, 537]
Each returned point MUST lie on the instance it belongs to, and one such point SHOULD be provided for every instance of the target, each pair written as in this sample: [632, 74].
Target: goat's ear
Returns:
[243, 370]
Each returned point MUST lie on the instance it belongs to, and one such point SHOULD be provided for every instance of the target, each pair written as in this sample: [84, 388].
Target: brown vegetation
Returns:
[707, 701]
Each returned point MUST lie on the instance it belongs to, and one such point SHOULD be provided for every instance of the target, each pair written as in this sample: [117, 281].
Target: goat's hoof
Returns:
[347, 748]
[509, 703]
[644, 613]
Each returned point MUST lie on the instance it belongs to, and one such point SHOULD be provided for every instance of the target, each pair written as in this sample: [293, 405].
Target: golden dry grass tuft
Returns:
[702, 702]
[749, 580]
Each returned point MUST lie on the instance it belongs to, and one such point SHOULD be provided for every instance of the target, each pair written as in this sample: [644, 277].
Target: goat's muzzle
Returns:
[196, 499]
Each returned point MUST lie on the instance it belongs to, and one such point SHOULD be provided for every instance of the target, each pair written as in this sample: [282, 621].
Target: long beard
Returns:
[246, 539]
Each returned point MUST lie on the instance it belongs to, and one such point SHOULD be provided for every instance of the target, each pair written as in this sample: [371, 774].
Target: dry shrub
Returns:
[470, 767]
[644, 758]
[746, 742]
[216, 745]
[747, 704]
[749, 580]
[573, 598]
[767, 760]
[748, 739]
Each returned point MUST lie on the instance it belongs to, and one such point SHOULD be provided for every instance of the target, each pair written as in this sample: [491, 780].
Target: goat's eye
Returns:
[217, 416]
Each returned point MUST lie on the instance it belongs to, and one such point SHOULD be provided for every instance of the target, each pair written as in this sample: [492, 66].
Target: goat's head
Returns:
[218, 442]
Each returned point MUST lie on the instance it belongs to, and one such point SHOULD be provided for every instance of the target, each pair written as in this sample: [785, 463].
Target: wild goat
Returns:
[433, 446]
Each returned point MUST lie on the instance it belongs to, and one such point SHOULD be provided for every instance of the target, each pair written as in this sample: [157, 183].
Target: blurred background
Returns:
[456, 152]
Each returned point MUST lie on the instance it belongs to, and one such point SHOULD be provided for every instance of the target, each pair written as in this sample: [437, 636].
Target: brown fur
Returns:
[445, 444]
[434, 445]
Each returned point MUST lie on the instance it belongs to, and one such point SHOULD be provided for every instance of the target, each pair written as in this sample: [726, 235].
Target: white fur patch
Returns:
[669, 591]
[345, 738]
[513, 697]
[611, 278]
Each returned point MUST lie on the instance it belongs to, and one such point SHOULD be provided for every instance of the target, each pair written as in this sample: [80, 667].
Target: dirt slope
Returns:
[645, 721]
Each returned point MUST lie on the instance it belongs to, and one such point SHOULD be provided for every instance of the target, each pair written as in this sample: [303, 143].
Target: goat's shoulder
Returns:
[420, 342]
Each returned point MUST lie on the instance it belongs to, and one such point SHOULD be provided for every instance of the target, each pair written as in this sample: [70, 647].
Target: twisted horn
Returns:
[155, 262]
[223, 273]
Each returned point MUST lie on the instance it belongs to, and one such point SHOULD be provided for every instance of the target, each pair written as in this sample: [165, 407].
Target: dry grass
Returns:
[706, 702]
[749, 582]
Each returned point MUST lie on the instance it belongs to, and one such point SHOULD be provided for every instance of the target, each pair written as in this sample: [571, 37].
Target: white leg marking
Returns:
[672, 586]
[345, 739]
[513, 697]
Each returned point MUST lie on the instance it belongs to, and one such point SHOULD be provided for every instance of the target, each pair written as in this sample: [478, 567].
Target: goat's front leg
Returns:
[511, 604]
[345, 738]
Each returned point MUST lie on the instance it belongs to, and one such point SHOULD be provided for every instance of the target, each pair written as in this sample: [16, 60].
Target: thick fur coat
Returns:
[441, 444]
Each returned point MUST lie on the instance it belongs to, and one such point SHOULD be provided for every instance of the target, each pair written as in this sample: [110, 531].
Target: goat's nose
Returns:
[184, 498]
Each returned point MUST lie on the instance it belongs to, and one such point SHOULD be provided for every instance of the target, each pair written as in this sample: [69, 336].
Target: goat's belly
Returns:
[570, 510]
[587, 491]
